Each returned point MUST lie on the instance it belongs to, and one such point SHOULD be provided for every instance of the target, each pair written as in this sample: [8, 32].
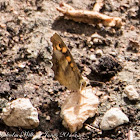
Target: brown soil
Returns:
[25, 63]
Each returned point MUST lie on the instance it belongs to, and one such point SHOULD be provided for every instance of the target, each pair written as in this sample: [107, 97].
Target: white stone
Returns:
[20, 113]
[92, 57]
[113, 118]
[3, 134]
[78, 107]
[99, 52]
[21, 65]
[37, 136]
[138, 106]
[131, 92]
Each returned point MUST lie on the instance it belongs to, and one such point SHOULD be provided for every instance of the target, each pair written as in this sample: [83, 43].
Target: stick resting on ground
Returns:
[90, 17]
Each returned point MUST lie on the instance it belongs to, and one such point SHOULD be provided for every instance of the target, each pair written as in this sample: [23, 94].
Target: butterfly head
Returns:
[82, 84]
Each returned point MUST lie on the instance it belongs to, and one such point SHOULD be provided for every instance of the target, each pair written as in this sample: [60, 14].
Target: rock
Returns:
[3, 134]
[113, 118]
[22, 65]
[99, 53]
[3, 103]
[78, 107]
[4, 87]
[133, 46]
[48, 118]
[113, 54]
[107, 66]
[20, 113]
[37, 136]
[3, 26]
[97, 39]
[131, 92]
[92, 57]
[138, 106]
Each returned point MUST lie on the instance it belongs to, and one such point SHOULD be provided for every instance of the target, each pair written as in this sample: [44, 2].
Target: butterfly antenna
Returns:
[93, 81]
[81, 86]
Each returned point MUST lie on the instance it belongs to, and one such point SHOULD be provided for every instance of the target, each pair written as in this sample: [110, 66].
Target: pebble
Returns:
[113, 118]
[99, 53]
[48, 118]
[20, 113]
[138, 106]
[2, 25]
[131, 92]
[37, 136]
[22, 65]
[113, 54]
[4, 87]
[92, 57]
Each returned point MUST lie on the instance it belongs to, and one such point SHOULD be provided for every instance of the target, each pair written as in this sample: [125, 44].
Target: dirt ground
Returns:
[25, 63]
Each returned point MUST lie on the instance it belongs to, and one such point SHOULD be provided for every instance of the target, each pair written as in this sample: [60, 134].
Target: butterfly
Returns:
[64, 66]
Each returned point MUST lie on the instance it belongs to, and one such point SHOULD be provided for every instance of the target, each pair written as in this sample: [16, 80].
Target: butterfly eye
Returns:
[83, 83]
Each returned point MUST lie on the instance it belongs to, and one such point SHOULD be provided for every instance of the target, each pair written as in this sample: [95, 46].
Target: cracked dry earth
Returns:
[25, 64]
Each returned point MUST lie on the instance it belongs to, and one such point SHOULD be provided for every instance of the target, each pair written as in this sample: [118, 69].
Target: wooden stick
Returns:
[90, 17]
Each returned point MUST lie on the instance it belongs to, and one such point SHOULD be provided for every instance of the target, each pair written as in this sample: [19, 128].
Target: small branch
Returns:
[98, 5]
[90, 17]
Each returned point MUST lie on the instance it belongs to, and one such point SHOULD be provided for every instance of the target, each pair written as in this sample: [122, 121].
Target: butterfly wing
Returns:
[64, 67]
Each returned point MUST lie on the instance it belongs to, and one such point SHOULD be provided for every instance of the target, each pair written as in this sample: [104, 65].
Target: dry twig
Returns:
[90, 17]
[98, 5]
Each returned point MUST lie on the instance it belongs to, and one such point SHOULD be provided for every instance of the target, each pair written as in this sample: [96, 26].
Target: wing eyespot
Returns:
[59, 47]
